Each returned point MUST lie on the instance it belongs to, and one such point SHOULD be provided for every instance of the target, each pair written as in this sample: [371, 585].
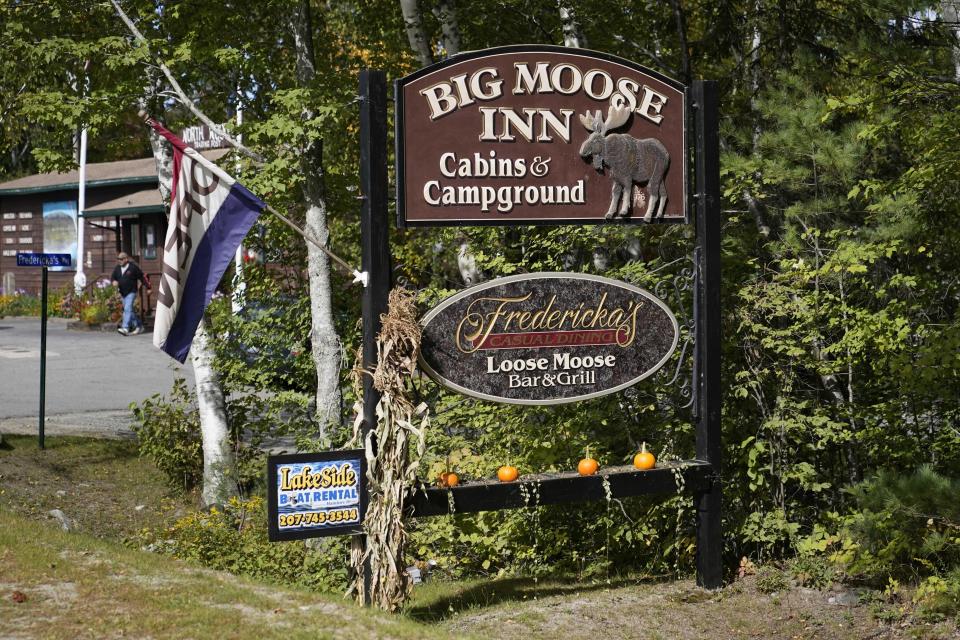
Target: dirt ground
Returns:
[679, 610]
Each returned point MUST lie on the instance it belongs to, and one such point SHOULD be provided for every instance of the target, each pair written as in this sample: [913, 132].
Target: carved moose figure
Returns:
[630, 160]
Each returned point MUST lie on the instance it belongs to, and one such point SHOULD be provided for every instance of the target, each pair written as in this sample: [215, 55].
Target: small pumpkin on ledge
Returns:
[507, 473]
[644, 460]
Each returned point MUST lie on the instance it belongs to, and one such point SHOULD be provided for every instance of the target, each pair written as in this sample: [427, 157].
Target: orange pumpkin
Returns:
[506, 473]
[644, 460]
[449, 479]
[588, 467]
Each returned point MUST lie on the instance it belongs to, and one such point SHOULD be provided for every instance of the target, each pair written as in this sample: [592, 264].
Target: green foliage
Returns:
[19, 304]
[938, 597]
[97, 303]
[905, 526]
[771, 579]
[168, 432]
[234, 538]
[266, 345]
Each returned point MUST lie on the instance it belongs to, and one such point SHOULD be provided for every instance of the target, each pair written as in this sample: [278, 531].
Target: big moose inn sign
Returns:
[536, 135]
[539, 135]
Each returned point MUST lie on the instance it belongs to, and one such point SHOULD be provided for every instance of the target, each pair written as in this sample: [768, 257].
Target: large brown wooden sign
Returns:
[527, 135]
[547, 338]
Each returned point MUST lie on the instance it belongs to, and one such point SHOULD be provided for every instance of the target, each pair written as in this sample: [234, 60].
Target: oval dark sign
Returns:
[547, 338]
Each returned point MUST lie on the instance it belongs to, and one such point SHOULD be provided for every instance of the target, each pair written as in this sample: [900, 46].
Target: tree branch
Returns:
[658, 61]
[180, 94]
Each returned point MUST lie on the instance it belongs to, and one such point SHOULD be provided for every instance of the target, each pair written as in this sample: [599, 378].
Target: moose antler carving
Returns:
[630, 161]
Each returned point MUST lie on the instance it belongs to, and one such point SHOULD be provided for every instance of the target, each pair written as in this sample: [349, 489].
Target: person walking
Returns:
[126, 277]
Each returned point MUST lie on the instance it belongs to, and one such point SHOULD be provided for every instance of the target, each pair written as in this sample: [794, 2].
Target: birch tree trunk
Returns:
[449, 27]
[572, 33]
[753, 204]
[413, 22]
[219, 461]
[323, 333]
[950, 11]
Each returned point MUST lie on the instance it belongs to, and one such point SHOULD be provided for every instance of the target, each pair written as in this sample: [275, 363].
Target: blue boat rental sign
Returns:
[316, 494]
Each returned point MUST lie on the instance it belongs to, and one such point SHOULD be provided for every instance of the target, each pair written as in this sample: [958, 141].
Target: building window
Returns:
[150, 242]
[135, 244]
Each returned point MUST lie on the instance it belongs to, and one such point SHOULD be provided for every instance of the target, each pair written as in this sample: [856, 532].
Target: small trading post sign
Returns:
[310, 495]
[528, 135]
[547, 338]
[44, 260]
[201, 137]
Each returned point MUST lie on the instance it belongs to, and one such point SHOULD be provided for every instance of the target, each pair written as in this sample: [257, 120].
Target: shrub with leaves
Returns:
[19, 303]
[168, 432]
[234, 538]
[906, 526]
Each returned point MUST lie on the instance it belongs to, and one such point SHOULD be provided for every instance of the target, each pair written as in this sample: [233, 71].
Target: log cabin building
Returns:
[123, 212]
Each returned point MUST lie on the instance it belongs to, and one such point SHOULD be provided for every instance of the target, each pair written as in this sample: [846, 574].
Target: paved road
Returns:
[92, 377]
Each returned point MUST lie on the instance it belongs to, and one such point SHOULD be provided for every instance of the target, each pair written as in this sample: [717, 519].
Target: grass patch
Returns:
[101, 485]
[76, 586]
[438, 599]
[86, 584]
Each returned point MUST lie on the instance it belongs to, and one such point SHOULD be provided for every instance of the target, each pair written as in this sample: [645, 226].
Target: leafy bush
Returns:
[234, 539]
[95, 314]
[771, 579]
[168, 432]
[938, 597]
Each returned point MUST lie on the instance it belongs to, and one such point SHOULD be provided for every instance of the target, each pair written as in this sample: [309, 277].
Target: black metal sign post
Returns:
[43, 351]
[708, 345]
[701, 475]
[43, 260]
[375, 240]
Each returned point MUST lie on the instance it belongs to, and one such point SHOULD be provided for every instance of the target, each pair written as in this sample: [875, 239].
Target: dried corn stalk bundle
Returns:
[392, 470]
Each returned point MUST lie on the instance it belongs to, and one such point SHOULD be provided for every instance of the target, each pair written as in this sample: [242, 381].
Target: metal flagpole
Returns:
[80, 278]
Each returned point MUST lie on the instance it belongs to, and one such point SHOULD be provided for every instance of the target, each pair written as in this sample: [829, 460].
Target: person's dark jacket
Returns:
[127, 281]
